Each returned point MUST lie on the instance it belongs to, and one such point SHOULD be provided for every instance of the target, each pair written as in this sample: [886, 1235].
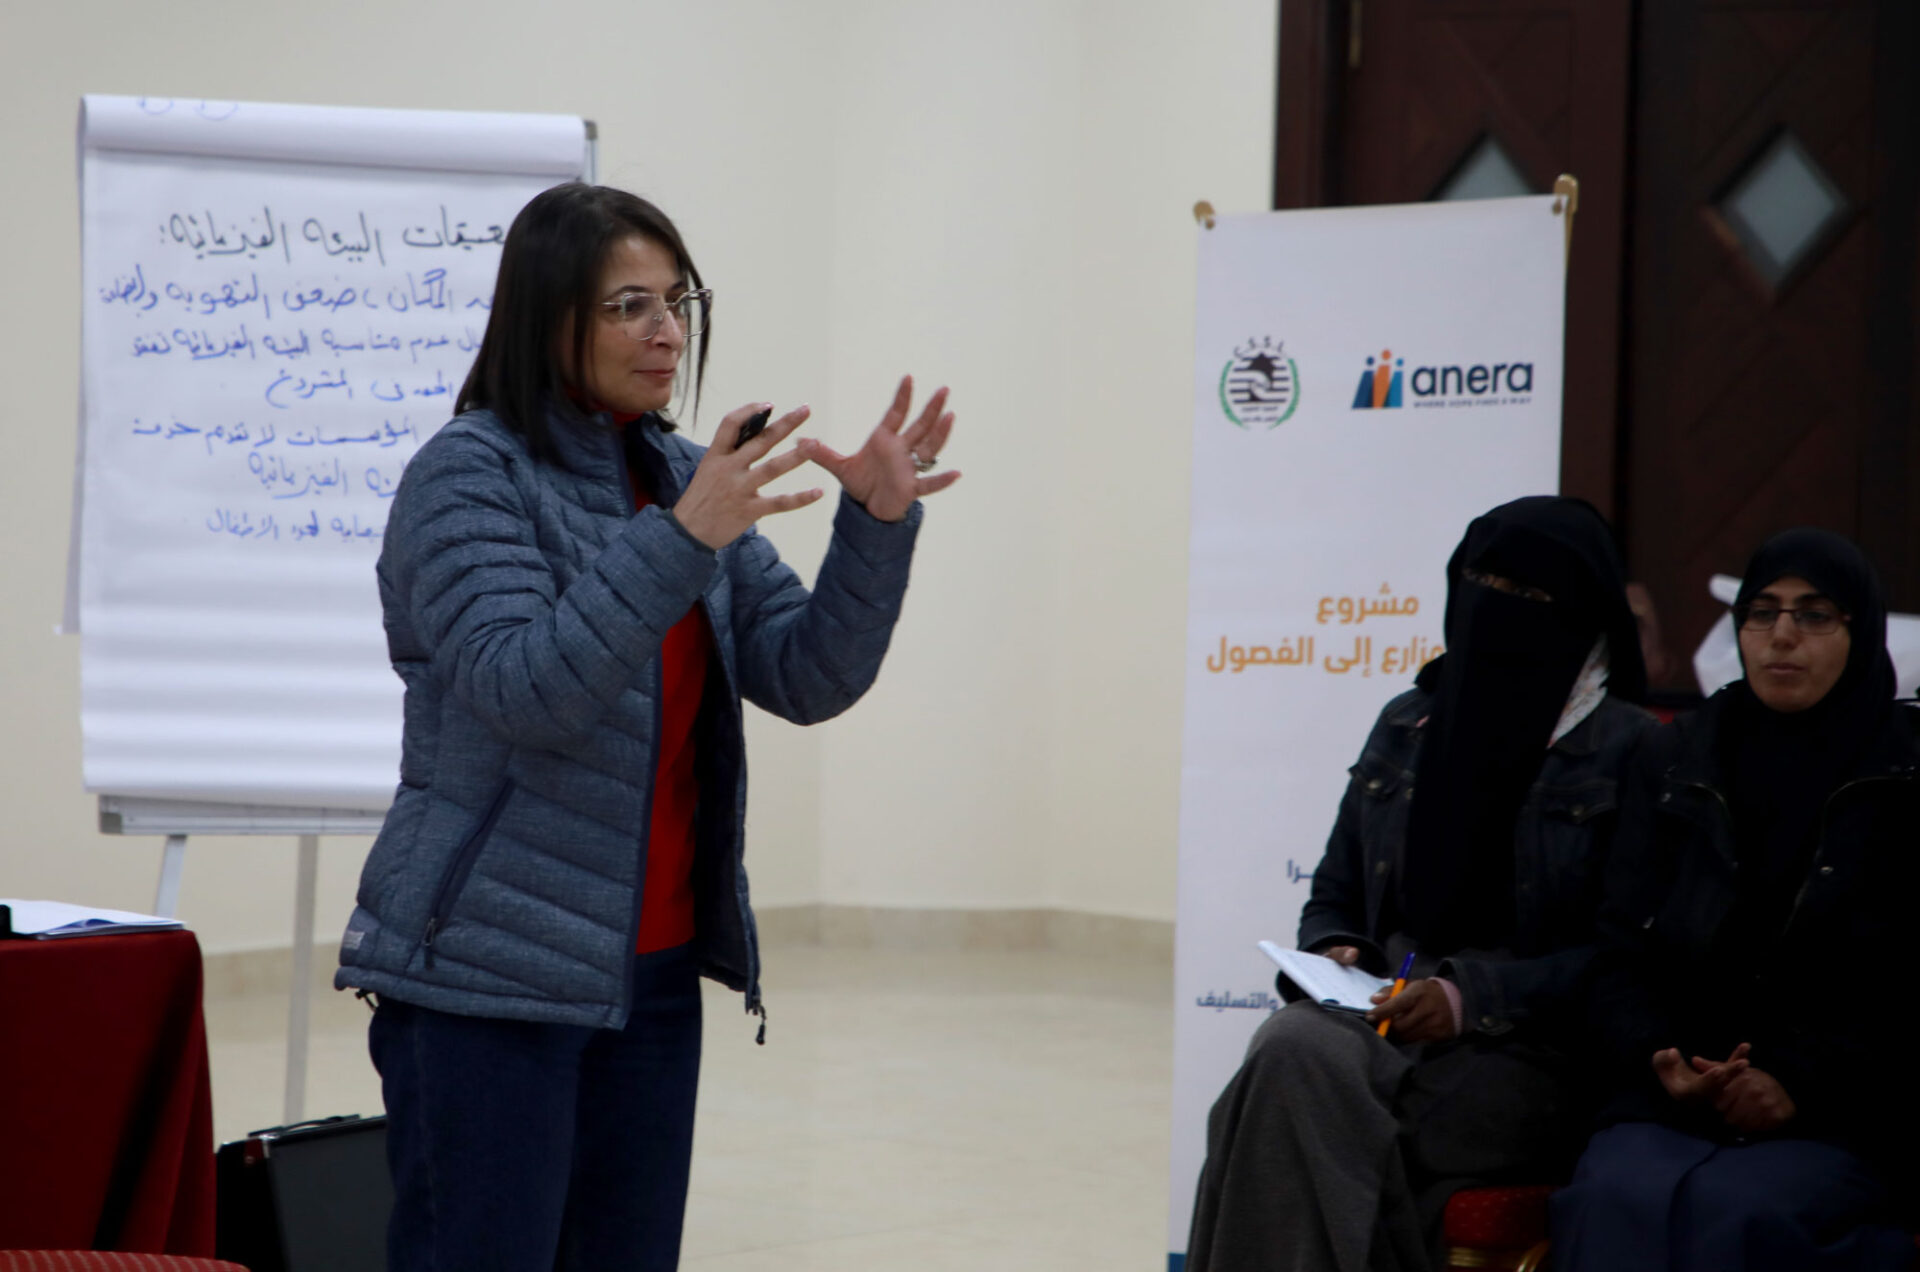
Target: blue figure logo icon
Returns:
[1379, 387]
[1260, 385]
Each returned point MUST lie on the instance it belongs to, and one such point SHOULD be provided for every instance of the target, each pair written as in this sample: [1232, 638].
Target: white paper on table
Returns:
[47, 919]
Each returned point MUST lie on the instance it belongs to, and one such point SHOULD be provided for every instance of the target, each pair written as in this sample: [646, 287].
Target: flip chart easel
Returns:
[177, 819]
[279, 303]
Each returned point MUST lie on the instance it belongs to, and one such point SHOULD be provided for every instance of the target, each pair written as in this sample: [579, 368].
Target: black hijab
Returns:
[1511, 663]
[1782, 766]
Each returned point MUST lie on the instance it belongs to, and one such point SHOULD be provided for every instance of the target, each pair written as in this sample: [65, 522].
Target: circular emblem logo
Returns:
[1260, 385]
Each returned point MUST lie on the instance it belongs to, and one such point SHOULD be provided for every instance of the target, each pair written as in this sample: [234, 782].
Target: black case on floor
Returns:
[313, 1197]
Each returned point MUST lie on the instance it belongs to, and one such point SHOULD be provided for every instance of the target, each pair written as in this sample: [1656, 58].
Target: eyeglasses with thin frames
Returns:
[640, 314]
[1812, 620]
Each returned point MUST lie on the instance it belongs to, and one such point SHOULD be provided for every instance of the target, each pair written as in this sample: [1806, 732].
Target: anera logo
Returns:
[1379, 385]
[1385, 383]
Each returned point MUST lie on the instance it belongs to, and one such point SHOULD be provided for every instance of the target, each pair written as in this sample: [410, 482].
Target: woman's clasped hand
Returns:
[883, 476]
[1749, 1100]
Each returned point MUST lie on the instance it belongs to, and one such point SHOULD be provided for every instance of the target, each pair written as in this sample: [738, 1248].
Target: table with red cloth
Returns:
[106, 1110]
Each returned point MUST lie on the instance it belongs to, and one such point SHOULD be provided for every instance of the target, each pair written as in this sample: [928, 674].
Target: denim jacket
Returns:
[1561, 837]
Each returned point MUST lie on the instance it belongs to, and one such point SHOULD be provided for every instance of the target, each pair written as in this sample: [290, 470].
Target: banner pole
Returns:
[1566, 201]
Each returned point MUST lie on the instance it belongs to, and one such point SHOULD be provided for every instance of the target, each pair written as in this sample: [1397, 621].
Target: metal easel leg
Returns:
[173, 859]
[300, 995]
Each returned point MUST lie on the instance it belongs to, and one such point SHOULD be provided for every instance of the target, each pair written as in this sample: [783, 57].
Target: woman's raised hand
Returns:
[883, 475]
[724, 497]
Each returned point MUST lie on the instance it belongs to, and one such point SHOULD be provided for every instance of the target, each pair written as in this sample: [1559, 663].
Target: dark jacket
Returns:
[1560, 844]
[525, 603]
[1823, 1003]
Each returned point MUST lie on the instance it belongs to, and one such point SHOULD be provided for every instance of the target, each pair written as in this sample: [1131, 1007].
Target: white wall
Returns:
[993, 196]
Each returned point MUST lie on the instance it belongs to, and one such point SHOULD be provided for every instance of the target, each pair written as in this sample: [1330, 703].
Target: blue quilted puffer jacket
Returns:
[525, 603]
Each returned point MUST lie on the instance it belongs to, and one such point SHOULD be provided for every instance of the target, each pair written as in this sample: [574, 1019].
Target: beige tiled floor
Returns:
[911, 1110]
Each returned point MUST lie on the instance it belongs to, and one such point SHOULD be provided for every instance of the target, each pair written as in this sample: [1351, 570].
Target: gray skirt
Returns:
[1334, 1150]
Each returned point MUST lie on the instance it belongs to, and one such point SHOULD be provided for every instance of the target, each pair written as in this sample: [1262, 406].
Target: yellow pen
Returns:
[1399, 983]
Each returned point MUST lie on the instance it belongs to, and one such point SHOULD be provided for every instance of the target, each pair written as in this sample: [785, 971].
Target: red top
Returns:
[666, 895]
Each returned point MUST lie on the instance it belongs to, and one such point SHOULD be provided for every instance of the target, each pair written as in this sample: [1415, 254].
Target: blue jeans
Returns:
[520, 1147]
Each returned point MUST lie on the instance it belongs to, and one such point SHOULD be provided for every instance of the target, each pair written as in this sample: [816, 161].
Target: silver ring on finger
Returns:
[921, 465]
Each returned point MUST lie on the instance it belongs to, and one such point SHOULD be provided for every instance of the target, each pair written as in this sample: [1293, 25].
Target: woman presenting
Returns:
[577, 601]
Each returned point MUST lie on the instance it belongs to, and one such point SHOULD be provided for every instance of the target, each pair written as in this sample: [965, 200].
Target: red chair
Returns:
[107, 1261]
[1500, 1228]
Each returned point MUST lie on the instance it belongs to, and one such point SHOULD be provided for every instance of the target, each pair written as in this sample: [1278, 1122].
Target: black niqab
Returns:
[1498, 691]
[1782, 766]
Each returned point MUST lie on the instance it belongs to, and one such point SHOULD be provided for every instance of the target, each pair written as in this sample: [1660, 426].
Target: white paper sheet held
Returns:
[1328, 983]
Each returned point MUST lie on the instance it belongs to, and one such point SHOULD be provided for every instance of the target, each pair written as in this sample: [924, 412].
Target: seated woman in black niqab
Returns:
[1759, 916]
[1472, 834]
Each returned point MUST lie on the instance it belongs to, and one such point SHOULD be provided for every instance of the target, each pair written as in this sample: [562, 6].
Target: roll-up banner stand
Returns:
[1366, 381]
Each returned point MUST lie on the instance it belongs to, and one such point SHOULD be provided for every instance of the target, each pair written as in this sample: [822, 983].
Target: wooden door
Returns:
[1741, 332]
[1770, 320]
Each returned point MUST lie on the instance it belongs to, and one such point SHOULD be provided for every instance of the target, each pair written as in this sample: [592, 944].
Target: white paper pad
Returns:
[1328, 983]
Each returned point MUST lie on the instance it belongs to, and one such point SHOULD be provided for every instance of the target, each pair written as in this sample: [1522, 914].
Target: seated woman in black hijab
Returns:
[1472, 835]
[1758, 923]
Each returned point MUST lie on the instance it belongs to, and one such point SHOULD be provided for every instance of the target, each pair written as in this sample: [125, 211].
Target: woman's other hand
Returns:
[1754, 1102]
[724, 497]
[881, 476]
[1345, 955]
[1420, 1013]
[1701, 1080]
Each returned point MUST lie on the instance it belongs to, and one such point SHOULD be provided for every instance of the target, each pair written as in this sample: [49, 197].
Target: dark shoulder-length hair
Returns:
[550, 269]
